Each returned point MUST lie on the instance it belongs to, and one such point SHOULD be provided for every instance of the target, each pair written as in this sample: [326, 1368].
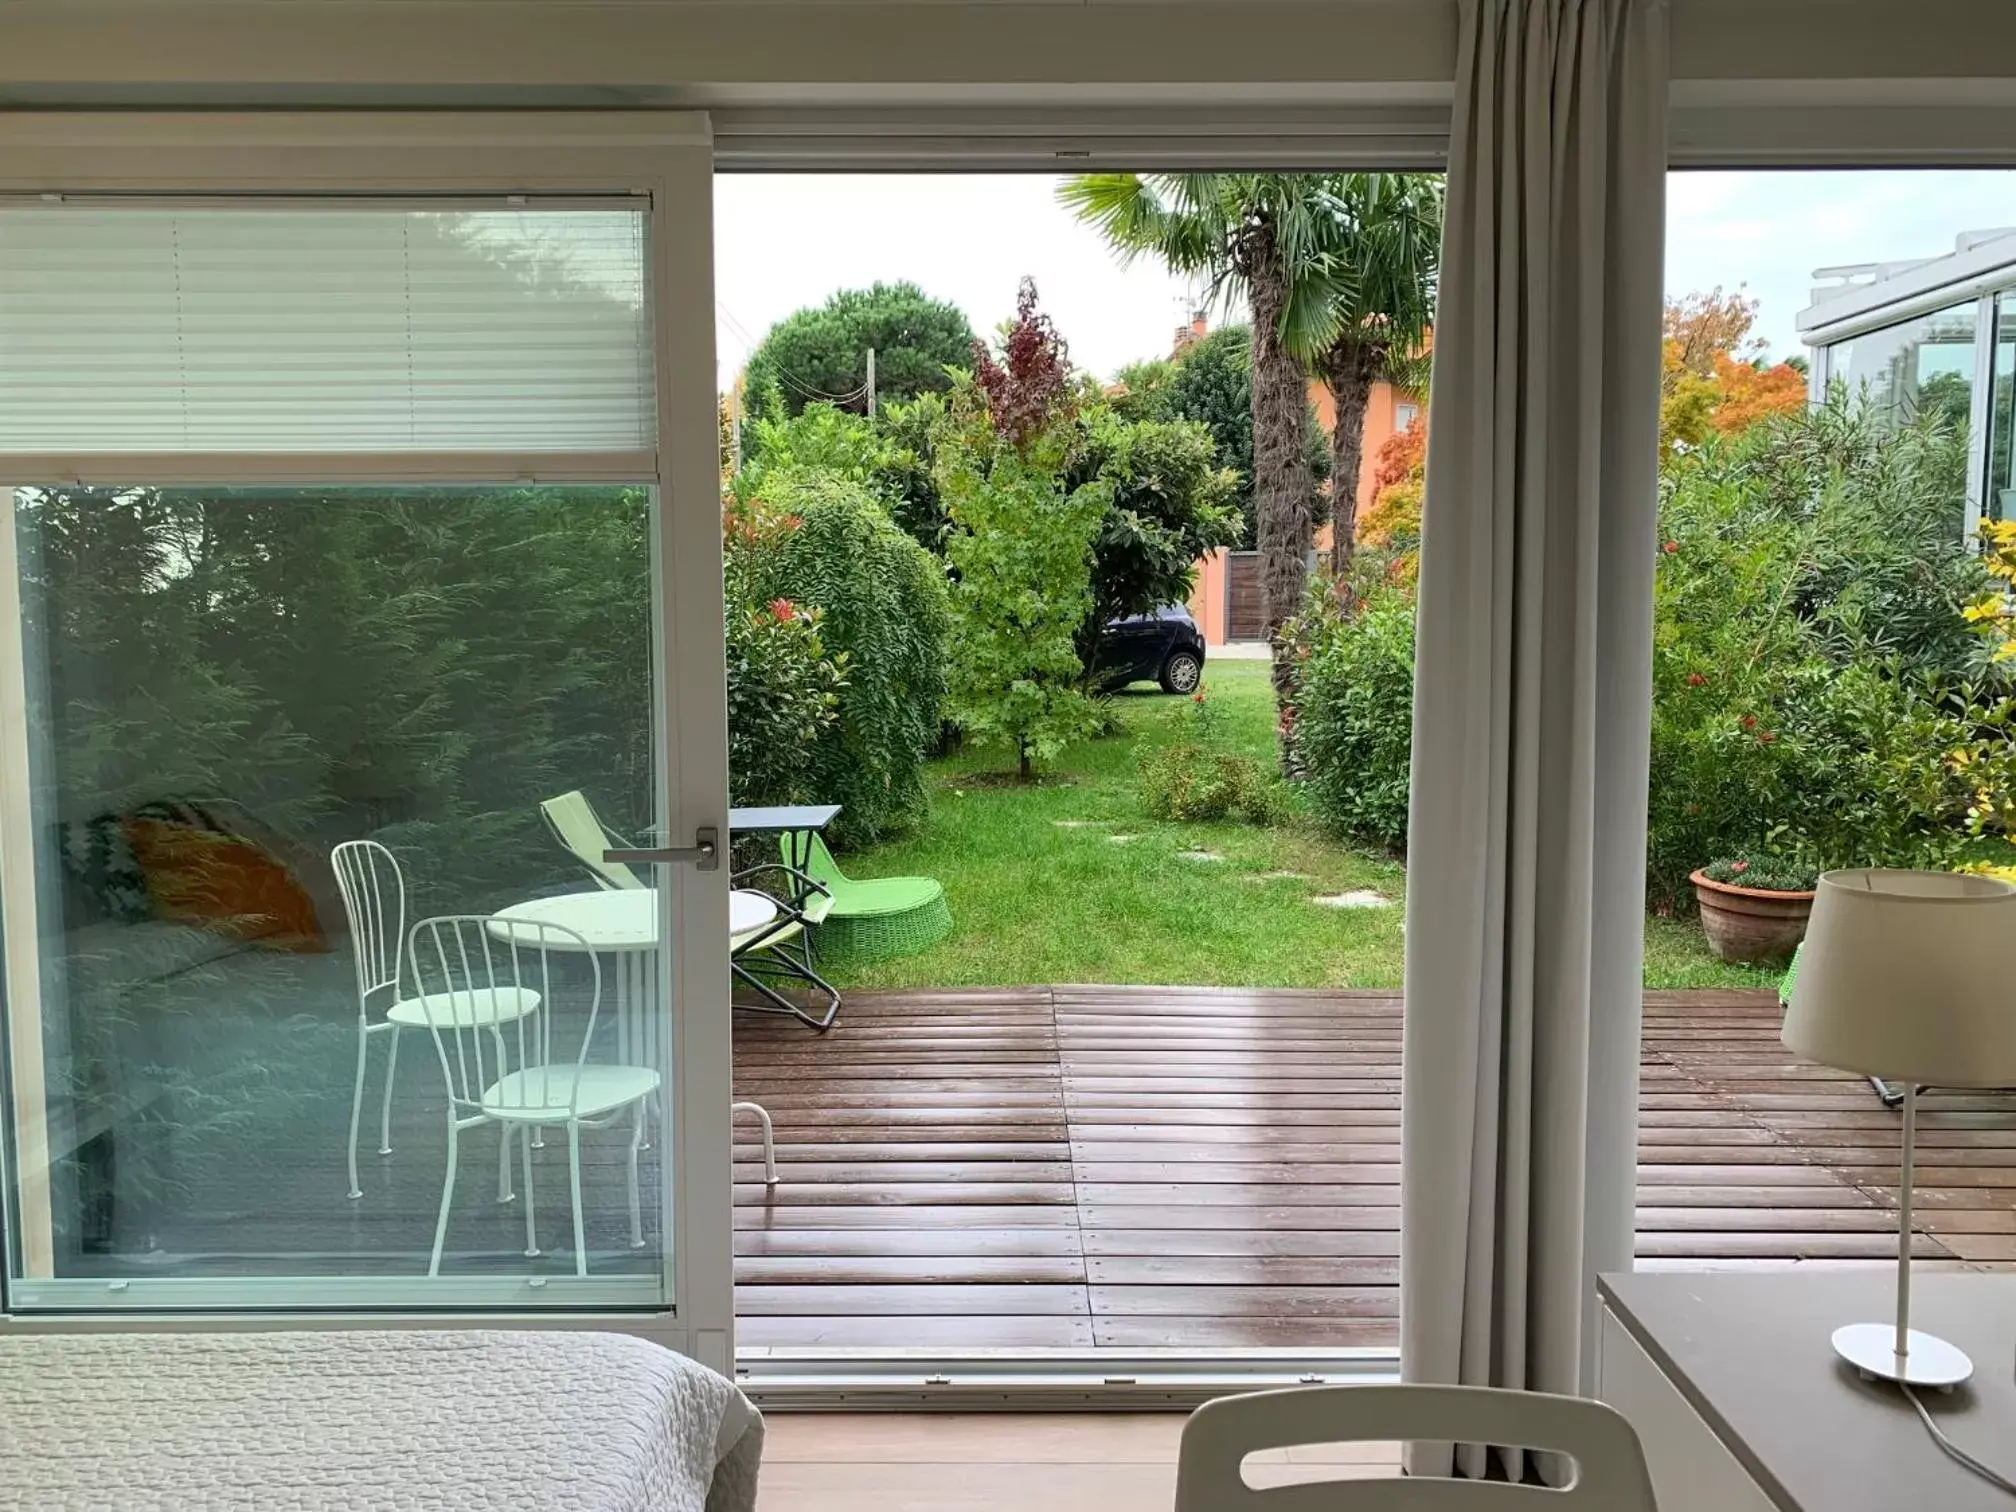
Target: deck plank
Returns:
[1139, 1167]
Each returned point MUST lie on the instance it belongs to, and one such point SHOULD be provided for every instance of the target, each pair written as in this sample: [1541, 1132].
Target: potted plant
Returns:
[1753, 908]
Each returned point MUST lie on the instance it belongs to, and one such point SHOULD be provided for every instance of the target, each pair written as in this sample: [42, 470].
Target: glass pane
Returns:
[1913, 368]
[323, 330]
[1999, 502]
[221, 687]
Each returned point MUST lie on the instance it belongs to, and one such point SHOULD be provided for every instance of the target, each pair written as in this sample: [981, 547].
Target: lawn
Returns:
[1069, 881]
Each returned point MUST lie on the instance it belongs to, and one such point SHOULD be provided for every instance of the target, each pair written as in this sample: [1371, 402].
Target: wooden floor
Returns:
[1182, 1167]
[1001, 1462]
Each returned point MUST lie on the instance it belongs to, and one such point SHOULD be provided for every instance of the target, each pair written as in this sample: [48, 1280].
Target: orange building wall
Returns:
[1207, 599]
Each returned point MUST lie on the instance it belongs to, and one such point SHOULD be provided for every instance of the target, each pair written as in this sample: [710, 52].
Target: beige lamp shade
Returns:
[1909, 975]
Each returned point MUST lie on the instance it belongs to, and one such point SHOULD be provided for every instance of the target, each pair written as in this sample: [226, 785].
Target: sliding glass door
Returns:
[346, 565]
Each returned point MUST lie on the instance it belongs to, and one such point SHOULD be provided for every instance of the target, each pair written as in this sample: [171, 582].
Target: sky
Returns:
[786, 241]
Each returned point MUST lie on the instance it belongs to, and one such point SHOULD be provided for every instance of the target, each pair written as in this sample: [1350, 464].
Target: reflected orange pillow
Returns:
[225, 884]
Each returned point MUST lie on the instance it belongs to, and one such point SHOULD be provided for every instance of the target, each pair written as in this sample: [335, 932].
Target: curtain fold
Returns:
[1532, 706]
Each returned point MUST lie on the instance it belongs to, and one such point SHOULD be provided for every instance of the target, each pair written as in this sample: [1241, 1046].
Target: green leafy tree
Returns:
[1169, 504]
[1020, 546]
[820, 355]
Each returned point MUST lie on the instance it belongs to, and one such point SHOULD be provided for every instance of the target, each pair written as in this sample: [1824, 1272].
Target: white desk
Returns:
[1742, 1406]
[622, 923]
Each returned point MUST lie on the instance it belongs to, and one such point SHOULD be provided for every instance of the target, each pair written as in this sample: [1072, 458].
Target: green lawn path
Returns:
[1036, 901]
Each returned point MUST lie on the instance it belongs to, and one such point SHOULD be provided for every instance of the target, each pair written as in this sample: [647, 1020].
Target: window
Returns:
[1915, 366]
[1998, 499]
[1405, 414]
[325, 522]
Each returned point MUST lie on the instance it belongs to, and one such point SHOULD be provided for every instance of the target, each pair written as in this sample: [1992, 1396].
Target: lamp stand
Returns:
[1900, 1353]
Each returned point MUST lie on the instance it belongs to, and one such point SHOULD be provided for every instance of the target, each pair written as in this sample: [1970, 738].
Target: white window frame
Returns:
[666, 157]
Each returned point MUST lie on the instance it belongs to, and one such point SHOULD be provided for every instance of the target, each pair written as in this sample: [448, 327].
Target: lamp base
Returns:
[1871, 1348]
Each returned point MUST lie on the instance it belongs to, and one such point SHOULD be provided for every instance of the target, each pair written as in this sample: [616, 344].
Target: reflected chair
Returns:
[374, 901]
[1610, 1474]
[583, 835]
[505, 1071]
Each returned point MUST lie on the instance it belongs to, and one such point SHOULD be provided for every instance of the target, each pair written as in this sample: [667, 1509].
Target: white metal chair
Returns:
[374, 901]
[1609, 1463]
[505, 1072]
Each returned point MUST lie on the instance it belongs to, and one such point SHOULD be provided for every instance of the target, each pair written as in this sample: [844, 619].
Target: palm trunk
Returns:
[1347, 373]
[1282, 486]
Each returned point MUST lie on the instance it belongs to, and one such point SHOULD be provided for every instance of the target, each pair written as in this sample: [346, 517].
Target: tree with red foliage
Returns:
[1030, 388]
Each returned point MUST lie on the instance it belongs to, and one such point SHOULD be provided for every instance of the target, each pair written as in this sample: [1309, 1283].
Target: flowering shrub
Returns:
[1190, 781]
[1819, 695]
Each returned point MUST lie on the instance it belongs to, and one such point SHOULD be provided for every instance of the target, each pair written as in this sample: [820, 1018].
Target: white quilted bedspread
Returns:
[468, 1421]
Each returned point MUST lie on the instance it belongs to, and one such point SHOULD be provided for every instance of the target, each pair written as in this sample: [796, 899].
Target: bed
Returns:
[471, 1420]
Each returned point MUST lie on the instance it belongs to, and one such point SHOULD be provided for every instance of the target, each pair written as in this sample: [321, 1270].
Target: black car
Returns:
[1164, 646]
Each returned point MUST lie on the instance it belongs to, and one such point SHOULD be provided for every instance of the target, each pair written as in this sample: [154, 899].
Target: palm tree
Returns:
[1269, 237]
[1381, 250]
[1339, 271]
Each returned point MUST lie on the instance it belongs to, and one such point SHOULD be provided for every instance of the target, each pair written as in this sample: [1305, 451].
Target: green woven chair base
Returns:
[859, 939]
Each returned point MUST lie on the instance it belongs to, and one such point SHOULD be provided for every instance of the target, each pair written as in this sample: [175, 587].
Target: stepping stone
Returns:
[1362, 898]
[1198, 856]
[1081, 823]
[1123, 839]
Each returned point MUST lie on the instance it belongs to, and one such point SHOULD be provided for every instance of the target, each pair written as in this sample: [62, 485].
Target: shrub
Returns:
[880, 602]
[1354, 712]
[1764, 873]
[1817, 691]
[783, 698]
[1188, 783]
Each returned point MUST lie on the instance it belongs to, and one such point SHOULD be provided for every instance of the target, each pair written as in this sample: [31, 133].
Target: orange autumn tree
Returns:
[1715, 377]
[1392, 521]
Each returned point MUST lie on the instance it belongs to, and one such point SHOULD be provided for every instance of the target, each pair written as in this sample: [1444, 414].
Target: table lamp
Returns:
[1908, 975]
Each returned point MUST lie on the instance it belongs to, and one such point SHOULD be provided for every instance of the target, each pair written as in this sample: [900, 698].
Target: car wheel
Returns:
[1182, 672]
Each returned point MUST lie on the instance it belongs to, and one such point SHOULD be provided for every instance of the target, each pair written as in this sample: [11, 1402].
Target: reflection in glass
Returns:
[223, 685]
[1916, 367]
[1999, 499]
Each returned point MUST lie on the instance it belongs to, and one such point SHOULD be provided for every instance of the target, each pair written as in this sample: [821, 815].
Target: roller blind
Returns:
[375, 329]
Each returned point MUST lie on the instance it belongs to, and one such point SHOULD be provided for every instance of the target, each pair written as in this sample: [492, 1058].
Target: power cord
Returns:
[1955, 1452]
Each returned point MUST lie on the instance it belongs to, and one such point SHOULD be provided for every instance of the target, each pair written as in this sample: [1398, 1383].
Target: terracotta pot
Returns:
[1749, 925]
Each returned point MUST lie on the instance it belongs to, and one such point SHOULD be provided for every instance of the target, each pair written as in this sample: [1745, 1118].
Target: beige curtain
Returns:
[1532, 702]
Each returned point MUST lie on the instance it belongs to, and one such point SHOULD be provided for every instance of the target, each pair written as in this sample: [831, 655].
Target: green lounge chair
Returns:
[877, 919]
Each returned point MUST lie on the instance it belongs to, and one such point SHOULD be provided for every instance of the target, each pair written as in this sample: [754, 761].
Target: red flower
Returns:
[1670, 547]
[1196, 698]
[783, 611]
[1739, 867]
[792, 521]
[1749, 721]
[1695, 679]
[1766, 738]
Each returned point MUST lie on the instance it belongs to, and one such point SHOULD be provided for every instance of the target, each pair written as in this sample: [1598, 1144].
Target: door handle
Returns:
[704, 854]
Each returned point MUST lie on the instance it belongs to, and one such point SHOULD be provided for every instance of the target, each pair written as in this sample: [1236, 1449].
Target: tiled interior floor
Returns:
[995, 1462]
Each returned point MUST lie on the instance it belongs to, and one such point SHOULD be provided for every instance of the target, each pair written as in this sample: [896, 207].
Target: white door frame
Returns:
[669, 157]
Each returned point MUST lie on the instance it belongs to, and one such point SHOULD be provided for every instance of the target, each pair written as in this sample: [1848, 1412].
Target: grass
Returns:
[1041, 892]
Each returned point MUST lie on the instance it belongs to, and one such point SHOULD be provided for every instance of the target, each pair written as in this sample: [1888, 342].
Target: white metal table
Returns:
[622, 924]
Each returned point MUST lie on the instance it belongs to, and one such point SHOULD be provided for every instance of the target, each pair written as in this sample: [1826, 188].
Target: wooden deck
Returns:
[1184, 1167]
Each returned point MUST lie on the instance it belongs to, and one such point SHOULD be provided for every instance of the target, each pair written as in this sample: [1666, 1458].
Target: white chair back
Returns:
[1608, 1462]
[474, 971]
[374, 902]
[580, 830]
